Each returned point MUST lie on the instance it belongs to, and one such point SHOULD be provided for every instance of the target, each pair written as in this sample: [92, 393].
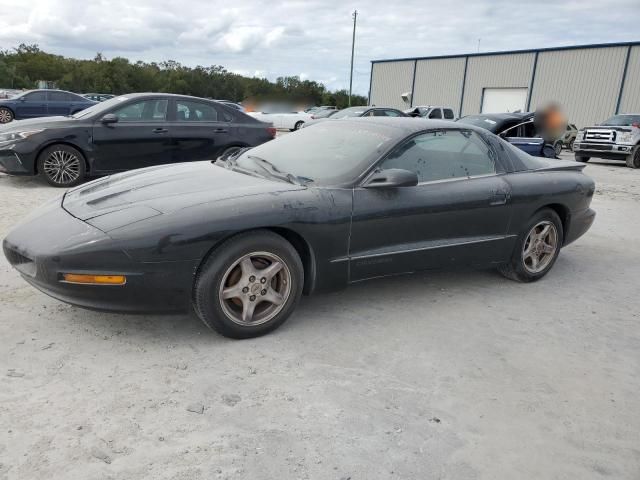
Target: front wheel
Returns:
[633, 160]
[62, 166]
[536, 249]
[6, 115]
[249, 285]
[298, 125]
[583, 159]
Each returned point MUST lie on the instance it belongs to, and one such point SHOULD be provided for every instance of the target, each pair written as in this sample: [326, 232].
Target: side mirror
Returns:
[392, 178]
[23, 98]
[109, 118]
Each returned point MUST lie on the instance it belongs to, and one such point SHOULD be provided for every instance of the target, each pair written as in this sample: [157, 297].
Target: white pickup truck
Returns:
[288, 120]
[618, 138]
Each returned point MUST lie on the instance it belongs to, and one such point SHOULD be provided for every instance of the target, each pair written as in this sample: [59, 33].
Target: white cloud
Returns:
[314, 36]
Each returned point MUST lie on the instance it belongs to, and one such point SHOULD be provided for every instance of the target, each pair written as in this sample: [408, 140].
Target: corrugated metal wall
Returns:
[631, 94]
[585, 82]
[495, 71]
[439, 82]
[389, 81]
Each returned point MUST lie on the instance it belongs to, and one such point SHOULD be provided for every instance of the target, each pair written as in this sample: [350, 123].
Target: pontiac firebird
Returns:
[240, 239]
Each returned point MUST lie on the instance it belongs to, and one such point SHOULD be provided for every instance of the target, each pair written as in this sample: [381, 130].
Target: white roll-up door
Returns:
[503, 100]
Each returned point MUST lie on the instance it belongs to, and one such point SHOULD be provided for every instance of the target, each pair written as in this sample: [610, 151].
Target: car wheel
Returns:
[558, 148]
[249, 285]
[536, 249]
[62, 166]
[580, 158]
[570, 146]
[6, 115]
[230, 151]
[298, 125]
[633, 160]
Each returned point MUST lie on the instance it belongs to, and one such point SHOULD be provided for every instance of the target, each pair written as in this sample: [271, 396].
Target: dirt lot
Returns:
[438, 376]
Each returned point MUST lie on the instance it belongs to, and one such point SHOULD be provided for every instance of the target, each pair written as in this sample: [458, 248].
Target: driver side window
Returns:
[442, 155]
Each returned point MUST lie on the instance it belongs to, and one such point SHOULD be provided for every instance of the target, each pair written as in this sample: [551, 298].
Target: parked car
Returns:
[98, 97]
[617, 138]
[569, 137]
[283, 120]
[519, 129]
[364, 111]
[431, 111]
[339, 202]
[42, 103]
[126, 132]
[9, 93]
[231, 104]
[323, 113]
[322, 107]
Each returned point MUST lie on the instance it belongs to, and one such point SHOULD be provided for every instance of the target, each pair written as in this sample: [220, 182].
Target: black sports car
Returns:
[241, 239]
[126, 132]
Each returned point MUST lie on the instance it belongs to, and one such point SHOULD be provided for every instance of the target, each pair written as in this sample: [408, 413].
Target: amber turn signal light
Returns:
[94, 279]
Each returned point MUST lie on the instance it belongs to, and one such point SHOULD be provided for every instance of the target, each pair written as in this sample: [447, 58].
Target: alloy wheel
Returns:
[540, 247]
[5, 116]
[255, 288]
[62, 167]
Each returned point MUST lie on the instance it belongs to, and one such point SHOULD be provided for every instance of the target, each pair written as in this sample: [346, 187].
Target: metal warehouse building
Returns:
[592, 82]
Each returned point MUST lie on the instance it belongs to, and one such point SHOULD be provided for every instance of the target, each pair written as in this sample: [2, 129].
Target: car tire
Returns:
[6, 115]
[62, 166]
[229, 151]
[298, 125]
[633, 160]
[537, 248]
[558, 148]
[235, 298]
[570, 146]
[583, 159]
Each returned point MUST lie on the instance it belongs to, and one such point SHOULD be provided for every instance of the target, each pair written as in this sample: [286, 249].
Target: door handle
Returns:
[160, 130]
[499, 198]
[220, 130]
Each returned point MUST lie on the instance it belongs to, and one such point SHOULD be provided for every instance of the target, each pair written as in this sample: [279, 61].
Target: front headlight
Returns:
[625, 137]
[17, 136]
[580, 136]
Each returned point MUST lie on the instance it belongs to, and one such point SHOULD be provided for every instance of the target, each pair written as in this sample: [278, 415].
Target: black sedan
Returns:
[239, 240]
[42, 103]
[126, 132]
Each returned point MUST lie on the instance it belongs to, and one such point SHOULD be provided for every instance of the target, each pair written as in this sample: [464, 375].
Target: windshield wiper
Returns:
[273, 171]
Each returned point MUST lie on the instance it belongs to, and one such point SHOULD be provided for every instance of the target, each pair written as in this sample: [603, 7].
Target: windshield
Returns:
[622, 120]
[349, 112]
[100, 107]
[326, 153]
[481, 121]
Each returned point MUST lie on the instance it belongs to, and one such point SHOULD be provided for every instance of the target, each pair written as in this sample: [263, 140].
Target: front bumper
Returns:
[53, 242]
[13, 163]
[602, 150]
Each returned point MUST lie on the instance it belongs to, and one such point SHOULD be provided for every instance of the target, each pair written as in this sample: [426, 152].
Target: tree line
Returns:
[24, 66]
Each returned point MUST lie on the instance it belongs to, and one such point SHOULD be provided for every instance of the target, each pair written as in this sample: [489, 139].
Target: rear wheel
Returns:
[6, 115]
[249, 285]
[62, 166]
[536, 249]
[580, 158]
[558, 148]
[633, 160]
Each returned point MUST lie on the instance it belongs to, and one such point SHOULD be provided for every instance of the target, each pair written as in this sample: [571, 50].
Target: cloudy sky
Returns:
[310, 38]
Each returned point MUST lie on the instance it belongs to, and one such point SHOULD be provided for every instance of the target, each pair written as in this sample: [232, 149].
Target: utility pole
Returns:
[353, 45]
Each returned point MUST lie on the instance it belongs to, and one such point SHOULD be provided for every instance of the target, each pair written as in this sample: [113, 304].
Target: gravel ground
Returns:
[460, 375]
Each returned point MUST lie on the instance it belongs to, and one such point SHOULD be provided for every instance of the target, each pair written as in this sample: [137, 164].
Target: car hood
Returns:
[165, 189]
[35, 123]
